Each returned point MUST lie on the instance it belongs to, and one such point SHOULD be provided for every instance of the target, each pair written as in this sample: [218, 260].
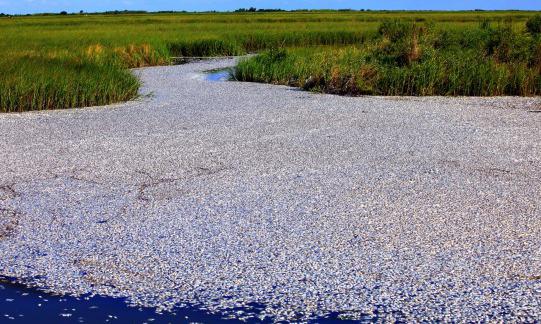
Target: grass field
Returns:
[52, 62]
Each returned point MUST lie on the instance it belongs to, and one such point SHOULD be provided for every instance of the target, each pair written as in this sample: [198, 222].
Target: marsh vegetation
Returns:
[53, 62]
[415, 59]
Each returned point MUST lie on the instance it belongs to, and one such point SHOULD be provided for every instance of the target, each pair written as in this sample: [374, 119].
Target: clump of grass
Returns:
[45, 83]
[141, 55]
[400, 44]
[533, 25]
[412, 59]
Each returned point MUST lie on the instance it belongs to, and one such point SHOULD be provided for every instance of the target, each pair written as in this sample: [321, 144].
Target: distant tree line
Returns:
[118, 12]
[252, 9]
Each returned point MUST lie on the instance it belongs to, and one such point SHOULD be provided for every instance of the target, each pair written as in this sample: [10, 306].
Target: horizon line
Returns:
[262, 10]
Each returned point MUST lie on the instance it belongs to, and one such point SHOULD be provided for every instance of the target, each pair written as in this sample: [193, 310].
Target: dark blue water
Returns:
[21, 304]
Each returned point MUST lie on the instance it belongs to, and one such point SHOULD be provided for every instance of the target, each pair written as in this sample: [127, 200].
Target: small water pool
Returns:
[220, 75]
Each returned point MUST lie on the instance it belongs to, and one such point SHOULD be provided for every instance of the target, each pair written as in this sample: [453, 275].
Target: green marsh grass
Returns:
[52, 62]
[415, 59]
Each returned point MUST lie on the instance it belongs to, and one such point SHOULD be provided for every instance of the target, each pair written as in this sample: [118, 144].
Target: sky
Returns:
[38, 6]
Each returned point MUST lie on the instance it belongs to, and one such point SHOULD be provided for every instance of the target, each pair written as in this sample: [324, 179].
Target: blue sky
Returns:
[33, 6]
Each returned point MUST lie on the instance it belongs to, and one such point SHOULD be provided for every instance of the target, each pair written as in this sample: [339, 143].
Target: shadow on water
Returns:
[22, 304]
